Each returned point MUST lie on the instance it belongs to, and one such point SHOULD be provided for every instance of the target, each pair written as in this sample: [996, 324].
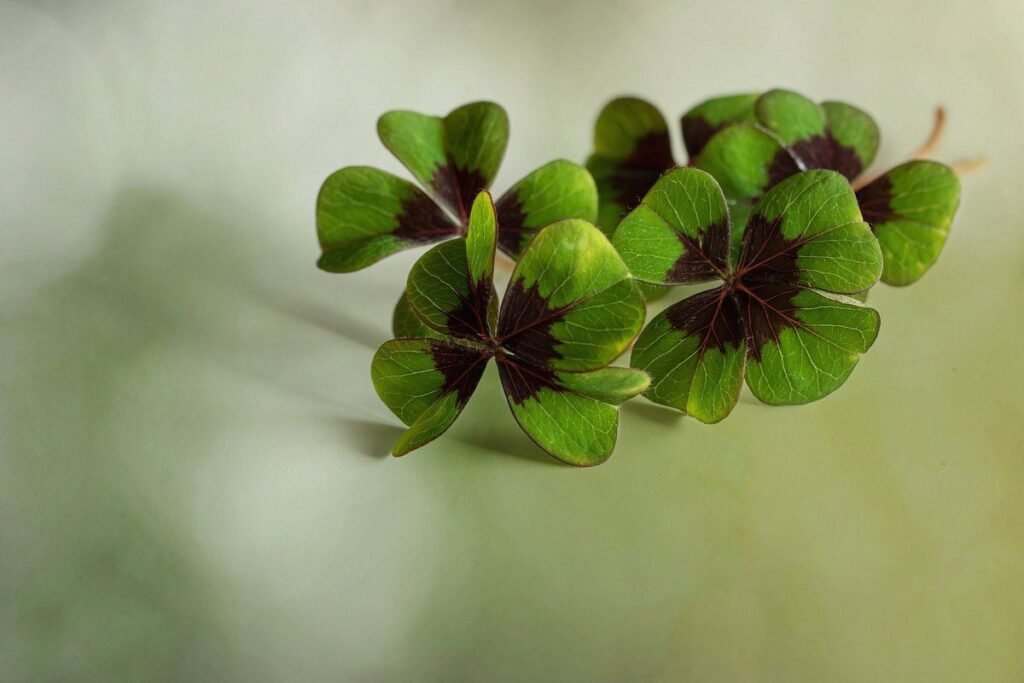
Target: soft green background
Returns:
[193, 484]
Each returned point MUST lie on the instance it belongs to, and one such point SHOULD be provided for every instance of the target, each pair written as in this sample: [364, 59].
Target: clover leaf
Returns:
[570, 309]
[364, 214]
[632, 147]
[910, 208]
[777, 318]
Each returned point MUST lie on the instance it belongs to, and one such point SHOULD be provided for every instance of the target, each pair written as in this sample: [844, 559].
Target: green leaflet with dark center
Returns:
[679, 233]
[776, 318]
[364, 214]
[450, 288]
[554, 192]
[456, 156]
[833, 136]
[700, 123]
[632, 149]
[911, 209]
[746, 160]
[426, 383]
[572, 307]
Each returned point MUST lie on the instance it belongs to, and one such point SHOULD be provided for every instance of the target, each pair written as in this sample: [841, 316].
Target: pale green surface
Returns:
[193, 481]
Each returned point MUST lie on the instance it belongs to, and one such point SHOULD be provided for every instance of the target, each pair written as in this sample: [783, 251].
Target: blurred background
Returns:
[194, 483]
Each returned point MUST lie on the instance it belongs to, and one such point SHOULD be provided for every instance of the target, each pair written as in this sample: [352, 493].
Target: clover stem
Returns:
[938, 128]
[925, 150]
[503, 262]
[966, 167]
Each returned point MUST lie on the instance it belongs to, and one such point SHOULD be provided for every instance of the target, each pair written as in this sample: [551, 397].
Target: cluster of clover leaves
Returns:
[766, 208]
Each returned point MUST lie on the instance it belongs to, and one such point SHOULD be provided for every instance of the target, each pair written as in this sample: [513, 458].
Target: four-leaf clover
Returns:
[570, 309]
[777, 318]
[364, 214]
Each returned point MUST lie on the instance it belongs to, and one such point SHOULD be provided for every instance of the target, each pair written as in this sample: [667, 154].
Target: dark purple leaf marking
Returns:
[705, 259]
[511, 223]
[458, 187]
[712, 316]
[765, 255]
[824, 151]
[524, 326]
[755, 302]
[875, 201]
[470, 318]
[636, 174]
[462, 368]
[422, 221]
[523, 380]
[781, 167]
[765, 310]
[697, 132]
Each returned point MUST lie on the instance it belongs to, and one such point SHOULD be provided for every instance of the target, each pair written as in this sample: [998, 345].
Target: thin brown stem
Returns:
[934, 138]
[925, 150]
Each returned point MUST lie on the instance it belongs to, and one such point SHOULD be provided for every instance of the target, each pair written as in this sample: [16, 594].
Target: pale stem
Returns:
[503, 262]
[925, 150]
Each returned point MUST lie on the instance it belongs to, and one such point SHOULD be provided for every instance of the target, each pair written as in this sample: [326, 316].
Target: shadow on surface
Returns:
[371, 438]
[335, 320]
[652, 412]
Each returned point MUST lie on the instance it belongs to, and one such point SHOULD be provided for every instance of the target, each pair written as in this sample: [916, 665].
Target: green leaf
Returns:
[854, 129]
[554, 192]
[571, 303]
[363, 215]
[834, 136]
[739, 215]
[632, 149]
[700, 123]
[791, 116]
[456, 156]
[574, 428]
[804, 344]
[614, 386]
[651, 291]
[425, 383]
[746, 161]
[405, 323]
[678, 233]
[911, 209]
[447, 287]
[481, 240]
[808, 231]
[694, 352]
